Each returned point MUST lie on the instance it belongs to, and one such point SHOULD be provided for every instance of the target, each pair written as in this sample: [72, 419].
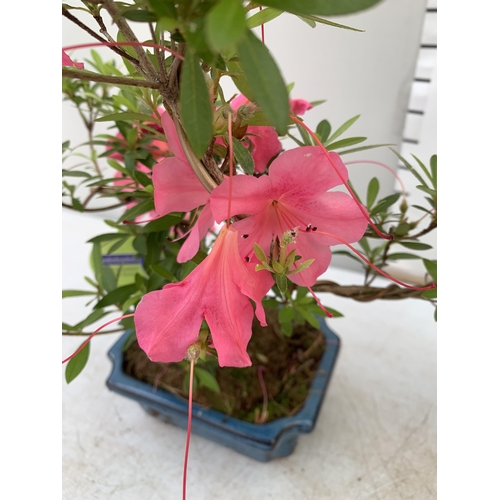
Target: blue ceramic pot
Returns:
[263, 442]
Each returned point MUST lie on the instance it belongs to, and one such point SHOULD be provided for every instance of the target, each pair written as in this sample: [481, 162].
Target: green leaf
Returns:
[427, 190]
[402, 255]
[239, 78]
[431, 266]
[139, 209]
[402, 229]
[225, 24]
[372, 193]
[265, 80]
[91, 318]
[385, 203]
[409, 167]
[77, 363]
[206, 379]
[106, 237]
[415, 245]
[126, 117]
[117, 296]
[321, 7]
[263, 16]
[259, 253]
[285, 314]
[309, 317]
[343, 128]
[282, 282]
[140, 16]
[244, 157]
[307, 18]
[75, 293]
[430, 294]
[195, 106]
[433, 163]
[343, 143]
[323, 130]
[309, 22]
[164, 273]
[363, 148]
[164, 8]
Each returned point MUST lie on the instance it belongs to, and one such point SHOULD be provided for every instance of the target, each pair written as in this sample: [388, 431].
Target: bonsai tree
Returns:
[225, 225]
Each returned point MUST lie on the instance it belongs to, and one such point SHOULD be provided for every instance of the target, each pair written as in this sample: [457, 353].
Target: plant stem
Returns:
[113, 80]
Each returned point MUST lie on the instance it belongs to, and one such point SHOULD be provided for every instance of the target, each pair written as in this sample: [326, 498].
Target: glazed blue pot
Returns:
[263, 442]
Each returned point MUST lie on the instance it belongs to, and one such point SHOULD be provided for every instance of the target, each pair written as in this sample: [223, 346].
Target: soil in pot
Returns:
[282, 366]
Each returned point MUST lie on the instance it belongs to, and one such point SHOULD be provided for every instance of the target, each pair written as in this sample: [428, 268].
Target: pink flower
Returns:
[300, 106]
[218, 290]
[66, 61]
[177, 189]
[265, 143]
[295, 195]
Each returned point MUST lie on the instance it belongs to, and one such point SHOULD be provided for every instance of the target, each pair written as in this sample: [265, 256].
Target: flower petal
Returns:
[166, 323]
[300, 106]
[192, 244]
[306, 172]
[249, 195]
[266, 146]
[176, 187]
[172, 137]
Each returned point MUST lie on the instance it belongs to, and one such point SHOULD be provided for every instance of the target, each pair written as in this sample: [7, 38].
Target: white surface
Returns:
[375, 437]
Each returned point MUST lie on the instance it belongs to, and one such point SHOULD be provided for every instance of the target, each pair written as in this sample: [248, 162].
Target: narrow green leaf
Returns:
[427, 190]
[263, 16]
[363, 148]
[372, 193]
[415, 245]
[309, 22]
[164, 273]
[140, 16]
[403, 255]
[423, 167]
[77, 363]
[285, 314]
[409, 167]
[195, 106]
[323, 130]
[106, 237]
[431, 266]
[239, 78]
[402, 229]
[91, 318]
[265, 80]
[139, 209]
[304, 134]
[314, 19]
[206, 379]
[309, 317]
[430, 294]
[259, 253]
[385, 203]
[117, 296]
[243, 157]
[321, 7]
[433, 163]
[75, 293]
[282, 282]
[343, 143]
[164, 8]
[343, 128]
[225, 24]
[127, 117]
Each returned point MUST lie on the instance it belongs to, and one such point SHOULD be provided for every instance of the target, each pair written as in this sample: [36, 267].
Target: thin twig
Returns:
[113, 80]
[91, 32]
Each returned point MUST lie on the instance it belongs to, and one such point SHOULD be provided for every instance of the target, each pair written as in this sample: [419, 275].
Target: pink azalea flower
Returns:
[67, 61]
[177, 189]
[218, 290]
[300, 106]
[295, 195]
[265, 141]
